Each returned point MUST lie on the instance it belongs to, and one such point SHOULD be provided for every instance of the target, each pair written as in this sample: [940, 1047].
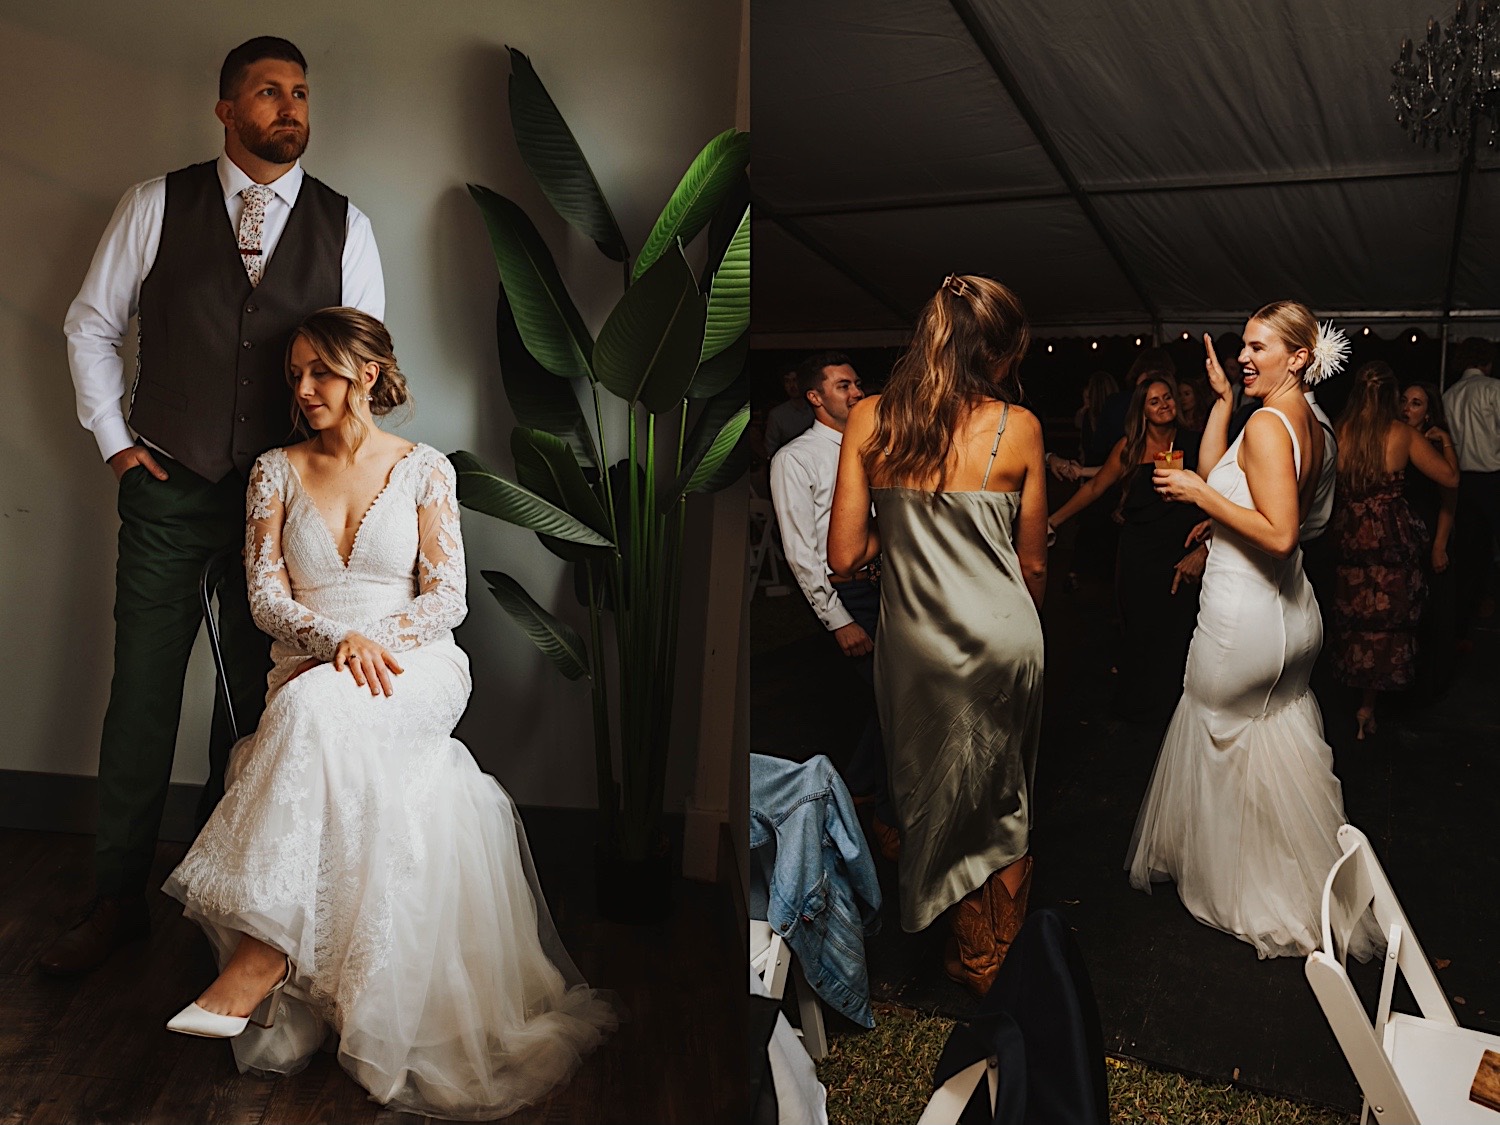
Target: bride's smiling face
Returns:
[322, 394]
[1268, 364]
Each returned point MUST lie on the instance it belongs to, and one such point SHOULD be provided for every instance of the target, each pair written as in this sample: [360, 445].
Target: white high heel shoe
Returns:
[194, 1020]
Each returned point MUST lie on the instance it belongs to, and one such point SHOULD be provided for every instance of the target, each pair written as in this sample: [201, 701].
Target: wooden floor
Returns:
[95, 1049]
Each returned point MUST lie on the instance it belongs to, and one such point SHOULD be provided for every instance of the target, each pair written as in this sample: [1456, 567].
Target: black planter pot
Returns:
[635, 891]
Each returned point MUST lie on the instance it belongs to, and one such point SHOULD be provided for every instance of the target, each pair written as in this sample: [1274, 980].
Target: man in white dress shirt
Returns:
[803, 473]
[218, 263]
[1473, 408]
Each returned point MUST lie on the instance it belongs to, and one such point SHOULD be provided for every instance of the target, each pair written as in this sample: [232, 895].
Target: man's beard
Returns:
[277, 145]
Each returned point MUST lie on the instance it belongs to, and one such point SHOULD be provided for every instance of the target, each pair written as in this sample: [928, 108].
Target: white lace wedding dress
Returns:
[1243, 806]
[360, 838]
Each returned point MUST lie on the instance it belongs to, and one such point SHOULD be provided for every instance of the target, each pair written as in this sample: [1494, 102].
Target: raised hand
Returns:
[1217, 380]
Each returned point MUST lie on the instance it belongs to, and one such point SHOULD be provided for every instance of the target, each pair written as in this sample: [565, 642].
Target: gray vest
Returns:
[211, 384]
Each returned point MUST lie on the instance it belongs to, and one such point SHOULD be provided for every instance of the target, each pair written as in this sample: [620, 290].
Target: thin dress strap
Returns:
[1296, 446]
[994, 449]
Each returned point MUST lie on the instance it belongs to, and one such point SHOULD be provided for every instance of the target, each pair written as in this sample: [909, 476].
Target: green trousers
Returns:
[168, 530]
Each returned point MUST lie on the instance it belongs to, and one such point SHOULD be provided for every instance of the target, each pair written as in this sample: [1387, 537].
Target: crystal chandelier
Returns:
[1444, 85]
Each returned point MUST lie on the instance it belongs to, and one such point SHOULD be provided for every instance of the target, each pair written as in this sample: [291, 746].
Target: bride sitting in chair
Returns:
[362, 877]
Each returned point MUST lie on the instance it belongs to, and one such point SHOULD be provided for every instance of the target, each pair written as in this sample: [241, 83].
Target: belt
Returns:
[863, 574]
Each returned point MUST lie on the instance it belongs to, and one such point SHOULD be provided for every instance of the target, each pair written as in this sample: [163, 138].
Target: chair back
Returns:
[1357, 883]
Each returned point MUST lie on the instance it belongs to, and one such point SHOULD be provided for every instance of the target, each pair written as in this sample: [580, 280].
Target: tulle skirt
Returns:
[362, 840]
[1243, 808]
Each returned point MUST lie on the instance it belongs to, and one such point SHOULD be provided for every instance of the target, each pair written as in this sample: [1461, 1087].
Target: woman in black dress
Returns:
[1159, 561]
[1422, 409]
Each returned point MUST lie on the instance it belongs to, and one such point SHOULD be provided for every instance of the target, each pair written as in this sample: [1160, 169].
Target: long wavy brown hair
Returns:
[968, 345]
[1135, 417]
[1373, 405]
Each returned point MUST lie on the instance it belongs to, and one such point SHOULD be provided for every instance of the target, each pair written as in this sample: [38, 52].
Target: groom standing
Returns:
[219, 262]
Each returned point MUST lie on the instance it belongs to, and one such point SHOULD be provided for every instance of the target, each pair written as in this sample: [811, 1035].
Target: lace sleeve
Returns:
[271, 603]
[441, 602]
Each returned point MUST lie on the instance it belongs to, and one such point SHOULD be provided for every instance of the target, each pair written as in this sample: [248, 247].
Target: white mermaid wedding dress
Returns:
[1243, 807]
[360, 838]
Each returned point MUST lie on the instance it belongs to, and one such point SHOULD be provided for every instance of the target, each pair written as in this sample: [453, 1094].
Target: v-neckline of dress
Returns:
[359, 529]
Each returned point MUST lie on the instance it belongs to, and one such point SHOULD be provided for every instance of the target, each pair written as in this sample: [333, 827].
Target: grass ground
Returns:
[881, 1076]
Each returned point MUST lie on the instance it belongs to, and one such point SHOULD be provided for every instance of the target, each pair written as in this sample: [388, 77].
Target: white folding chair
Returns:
[1413, 1070]
[765, 548]
[772, 958]
[950, 1099]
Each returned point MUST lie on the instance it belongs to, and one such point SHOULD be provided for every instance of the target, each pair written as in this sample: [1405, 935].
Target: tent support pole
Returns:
[964, 9]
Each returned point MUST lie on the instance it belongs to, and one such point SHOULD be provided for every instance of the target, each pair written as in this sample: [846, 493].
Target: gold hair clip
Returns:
[956, 284]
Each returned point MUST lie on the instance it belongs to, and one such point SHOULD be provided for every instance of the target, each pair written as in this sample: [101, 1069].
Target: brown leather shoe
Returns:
[985, 922]
[109, 924]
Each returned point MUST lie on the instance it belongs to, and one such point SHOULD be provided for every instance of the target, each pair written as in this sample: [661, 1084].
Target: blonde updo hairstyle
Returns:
[346, 339]
[1296, 326]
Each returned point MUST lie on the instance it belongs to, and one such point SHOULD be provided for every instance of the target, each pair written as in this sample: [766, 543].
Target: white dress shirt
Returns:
[785, 421]
[803, 474]
[1473, 408]
[99, 315]
[1320, 511]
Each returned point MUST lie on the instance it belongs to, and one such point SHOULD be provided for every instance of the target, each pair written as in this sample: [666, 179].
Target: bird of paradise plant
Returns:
[672, 351]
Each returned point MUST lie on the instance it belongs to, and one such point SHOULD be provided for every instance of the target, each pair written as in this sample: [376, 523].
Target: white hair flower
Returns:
[1329, 354]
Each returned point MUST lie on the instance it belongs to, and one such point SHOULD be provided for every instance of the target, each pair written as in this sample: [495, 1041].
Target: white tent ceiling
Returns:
[1123, 164]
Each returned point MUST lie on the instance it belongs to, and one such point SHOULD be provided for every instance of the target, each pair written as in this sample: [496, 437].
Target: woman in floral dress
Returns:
[1382, 544]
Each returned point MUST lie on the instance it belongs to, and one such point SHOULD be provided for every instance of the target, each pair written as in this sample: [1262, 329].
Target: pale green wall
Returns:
[408, 103]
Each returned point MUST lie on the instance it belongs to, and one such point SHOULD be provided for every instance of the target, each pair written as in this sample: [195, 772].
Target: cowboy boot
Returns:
[1008, 911]
[970, 958]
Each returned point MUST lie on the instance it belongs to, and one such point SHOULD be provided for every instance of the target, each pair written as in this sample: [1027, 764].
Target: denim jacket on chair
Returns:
[814, 877]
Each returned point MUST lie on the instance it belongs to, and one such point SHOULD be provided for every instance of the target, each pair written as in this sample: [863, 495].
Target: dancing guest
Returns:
[1096, 546]
[1160, 558]
[1191, 405]
[1473, 408]
[209, 397]
[1092, 449]
[1422, 409]
[1243, 807]
[803, 474]
[790, 418]
[954, 467]
[361, 875]
[1381, 543]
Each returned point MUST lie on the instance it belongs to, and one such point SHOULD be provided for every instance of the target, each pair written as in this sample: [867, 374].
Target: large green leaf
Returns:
[717, 373]
[731, 469]
[546, 466]
[648, 348]
[729, 295]
[552, 154]
[545, 314]
[538, 398]
[484, 491]
[718, 428]
[558, 640]
[712, 173]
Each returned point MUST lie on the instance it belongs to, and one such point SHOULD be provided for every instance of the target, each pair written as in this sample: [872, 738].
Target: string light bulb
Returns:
[1185, 336]
[1137, 341]
[1094, 344]
[1413, 337]
[1049, 349]
[1366, 331]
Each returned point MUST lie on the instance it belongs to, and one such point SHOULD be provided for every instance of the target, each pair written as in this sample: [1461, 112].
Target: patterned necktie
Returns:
[252, 220]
